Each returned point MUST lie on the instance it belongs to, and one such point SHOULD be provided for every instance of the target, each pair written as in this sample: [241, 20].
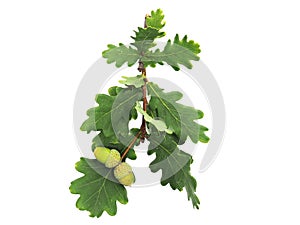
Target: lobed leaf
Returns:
[137, 81]
[117, 108]
[155, 20]
[144, 39]
[173, 163]
[98, 189]
[120, 55]
[180, 52]
[179, 118]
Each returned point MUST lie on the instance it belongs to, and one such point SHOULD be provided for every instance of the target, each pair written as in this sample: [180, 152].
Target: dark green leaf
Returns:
[174, 164]
[112, 110]
[144, 38]
[178, 118]
[114, 91]
[133, 114]
[99, 190]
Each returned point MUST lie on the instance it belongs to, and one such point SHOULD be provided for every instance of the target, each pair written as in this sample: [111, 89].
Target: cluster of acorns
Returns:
[111, 158]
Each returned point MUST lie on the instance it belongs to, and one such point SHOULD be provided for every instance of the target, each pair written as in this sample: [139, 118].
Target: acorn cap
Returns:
[123, 173]
[113, 159]
[101, 154]
[122, 170]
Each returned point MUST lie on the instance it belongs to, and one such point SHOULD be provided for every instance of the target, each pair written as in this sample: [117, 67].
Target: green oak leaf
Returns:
[144, 38]
[114, 91]
[120, 55]
[119, 108]
[158, 124]
[180, 52]
[137, 81]
[178, 118]
[156, 19]
[173, 163]
[99, 190]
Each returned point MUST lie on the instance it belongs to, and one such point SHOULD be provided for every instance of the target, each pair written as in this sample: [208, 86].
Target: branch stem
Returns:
[142, 69]
[145, 103]
[130, 145]
[143, 132]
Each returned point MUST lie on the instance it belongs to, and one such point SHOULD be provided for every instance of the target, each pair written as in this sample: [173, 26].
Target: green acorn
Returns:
[128, 180]
[123, 173]
[101, 154]
[110, 158]
[113, 159]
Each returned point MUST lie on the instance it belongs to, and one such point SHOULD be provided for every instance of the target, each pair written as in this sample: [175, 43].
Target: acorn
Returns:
[123, 173]
[110, 158]
[101, 154]
[113, 159]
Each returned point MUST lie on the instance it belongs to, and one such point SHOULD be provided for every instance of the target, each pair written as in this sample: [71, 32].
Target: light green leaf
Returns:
[137, 81]
[173, 163]
[159, 124]
[120, 55]
[156, 19]
[98, 189]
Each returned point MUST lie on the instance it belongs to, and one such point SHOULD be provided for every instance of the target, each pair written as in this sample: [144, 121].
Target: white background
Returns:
[252, 47]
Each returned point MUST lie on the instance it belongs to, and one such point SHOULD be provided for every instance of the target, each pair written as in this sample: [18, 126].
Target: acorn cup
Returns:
[123, 173]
